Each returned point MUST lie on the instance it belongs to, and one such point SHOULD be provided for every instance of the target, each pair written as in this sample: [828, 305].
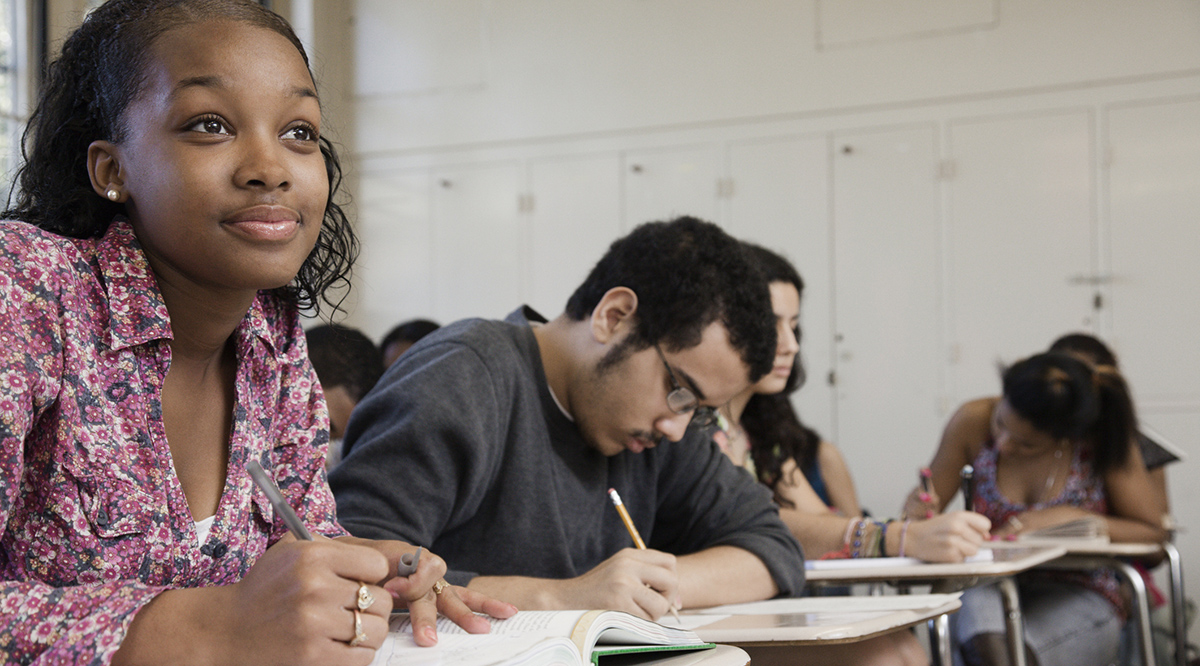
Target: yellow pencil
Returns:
[637, 538]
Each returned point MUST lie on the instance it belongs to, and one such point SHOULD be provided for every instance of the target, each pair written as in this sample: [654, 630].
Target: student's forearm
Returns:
[1127, 530]
[817, 534]
[184, 615]
[723, 575]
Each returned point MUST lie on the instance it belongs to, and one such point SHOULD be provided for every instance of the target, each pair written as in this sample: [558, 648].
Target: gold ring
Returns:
[440, 585]
[359, 636]
[365, 598]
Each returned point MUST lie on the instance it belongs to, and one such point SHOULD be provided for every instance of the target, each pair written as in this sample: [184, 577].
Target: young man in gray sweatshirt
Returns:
[494, 443]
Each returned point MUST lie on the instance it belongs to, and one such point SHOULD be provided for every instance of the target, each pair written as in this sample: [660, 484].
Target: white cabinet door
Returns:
[1154, 185]
[1021, 268]
[575, 216]
[780, 199]
[886, 239]
[477, 254]
[664, 183]
[1154, 181]
[392, 279]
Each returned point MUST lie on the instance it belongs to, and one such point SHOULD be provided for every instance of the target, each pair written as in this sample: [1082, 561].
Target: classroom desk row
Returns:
[772, 628]
[1009, 559]
[942, 578]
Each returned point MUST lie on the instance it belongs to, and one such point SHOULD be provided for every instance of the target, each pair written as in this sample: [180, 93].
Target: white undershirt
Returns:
[203, 527]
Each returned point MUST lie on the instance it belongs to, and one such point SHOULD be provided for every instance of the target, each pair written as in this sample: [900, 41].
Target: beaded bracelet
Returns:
[856, 543]
[849, 528]
[883, 538]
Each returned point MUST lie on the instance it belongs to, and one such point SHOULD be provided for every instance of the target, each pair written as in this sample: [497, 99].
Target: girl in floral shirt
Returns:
[175, 212]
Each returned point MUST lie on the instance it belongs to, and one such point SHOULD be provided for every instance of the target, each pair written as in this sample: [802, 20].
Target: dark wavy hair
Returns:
[775, 430]
[85, 94]
[687, 274]
[1065, 397]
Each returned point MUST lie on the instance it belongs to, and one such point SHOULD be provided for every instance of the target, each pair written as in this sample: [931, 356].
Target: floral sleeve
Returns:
[40, 621]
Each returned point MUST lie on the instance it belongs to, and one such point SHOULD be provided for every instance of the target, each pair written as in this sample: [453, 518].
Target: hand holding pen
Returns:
[421, 588]
[349, 611]
[637, 538]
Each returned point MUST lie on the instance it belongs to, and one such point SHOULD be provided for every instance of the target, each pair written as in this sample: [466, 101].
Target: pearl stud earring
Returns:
[112, 194]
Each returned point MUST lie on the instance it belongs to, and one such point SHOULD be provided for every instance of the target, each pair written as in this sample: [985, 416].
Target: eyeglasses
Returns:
[682, 400]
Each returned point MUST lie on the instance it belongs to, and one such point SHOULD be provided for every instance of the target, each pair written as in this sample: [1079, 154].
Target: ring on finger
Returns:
[364, 598]
[440, 586]
[359, 636]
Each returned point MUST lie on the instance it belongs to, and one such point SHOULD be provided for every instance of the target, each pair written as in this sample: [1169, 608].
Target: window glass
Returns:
[11, 123]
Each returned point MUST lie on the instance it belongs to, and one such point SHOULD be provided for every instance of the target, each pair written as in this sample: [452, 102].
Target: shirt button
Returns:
[102, 518]
[219, 551]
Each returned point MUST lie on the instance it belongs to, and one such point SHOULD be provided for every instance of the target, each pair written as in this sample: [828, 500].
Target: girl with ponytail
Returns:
[1058, 445]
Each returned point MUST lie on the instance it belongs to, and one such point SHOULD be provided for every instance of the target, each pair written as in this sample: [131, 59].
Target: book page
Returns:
[527, 638]
[526, 623]
[530, 637]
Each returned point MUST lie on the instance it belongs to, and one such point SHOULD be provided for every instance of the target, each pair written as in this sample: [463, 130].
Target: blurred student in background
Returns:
[348, 364]
[399, 339]
[1056, 446]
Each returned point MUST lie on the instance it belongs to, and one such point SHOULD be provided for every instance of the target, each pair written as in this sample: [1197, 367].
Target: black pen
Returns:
[968, 474]
[284, 509]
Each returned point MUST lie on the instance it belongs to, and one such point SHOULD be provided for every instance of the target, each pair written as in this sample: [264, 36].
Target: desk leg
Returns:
[1016, 625]
[939, 641]
[1141, 609]
[1175, 576]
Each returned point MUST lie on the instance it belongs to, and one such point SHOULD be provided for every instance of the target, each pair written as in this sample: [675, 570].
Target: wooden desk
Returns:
[943, 578]
[1093, 554]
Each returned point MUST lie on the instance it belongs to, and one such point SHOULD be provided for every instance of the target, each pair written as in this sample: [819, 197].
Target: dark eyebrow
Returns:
[691, 383]
[212, 81]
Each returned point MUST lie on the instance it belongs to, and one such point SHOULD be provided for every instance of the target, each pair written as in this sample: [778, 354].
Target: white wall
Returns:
[958, 180]
[436, 73]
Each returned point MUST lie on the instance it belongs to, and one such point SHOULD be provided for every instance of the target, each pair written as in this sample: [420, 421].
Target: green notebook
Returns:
[536, 638]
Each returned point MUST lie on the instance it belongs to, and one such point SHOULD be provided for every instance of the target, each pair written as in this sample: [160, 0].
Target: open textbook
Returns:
[535, 638]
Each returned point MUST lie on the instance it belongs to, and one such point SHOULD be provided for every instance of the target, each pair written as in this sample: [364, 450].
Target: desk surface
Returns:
[1005, 562]
[1086, 547]
[815, 620]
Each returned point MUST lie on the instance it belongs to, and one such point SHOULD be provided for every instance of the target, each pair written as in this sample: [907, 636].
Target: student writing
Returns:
[1057, 445]
[176, 210]
[497, 441]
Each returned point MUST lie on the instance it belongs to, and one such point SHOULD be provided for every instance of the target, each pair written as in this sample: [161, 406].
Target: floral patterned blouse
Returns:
[1083, 488]
[94, 520]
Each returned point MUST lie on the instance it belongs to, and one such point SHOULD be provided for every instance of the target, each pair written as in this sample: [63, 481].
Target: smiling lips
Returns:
[267, 223]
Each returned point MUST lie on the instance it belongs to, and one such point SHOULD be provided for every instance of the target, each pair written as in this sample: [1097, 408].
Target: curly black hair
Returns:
[687, 274]
[85, 94]
[775, 430]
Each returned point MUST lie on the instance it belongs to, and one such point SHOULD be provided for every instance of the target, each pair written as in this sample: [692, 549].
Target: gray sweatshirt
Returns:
[461, 448]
